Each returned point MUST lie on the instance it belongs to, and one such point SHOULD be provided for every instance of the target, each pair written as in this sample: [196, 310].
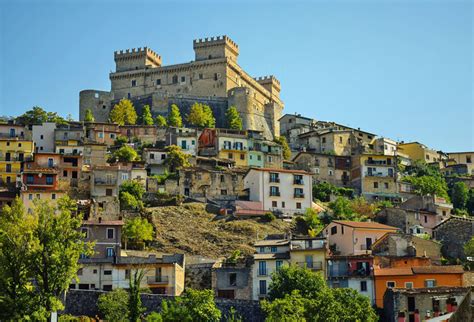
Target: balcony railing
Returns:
[274, 193]
[158, 279]
[274, 180]
[264, 272]
[362, 272]
[378, 162]
[16, 159]
[299, 195]
[298, 181]
[100, 182]
[316, 266]
[378, 174]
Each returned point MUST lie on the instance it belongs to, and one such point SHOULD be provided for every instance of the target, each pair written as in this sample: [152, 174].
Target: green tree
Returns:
[176, 158]
[353, 306]
[161, 121]
[290, 278]
[135, 307]
[123, 113]
[16, 238]
[291, 308]
[284, 145]
[323, 190]
[234, 121]
[114, 305]
[201, 116]
[55, 250]
[138, 230]
[126, 154]
[38, 116]
[120, 141]
[174, 117]
[313, 223]
[131, 195]
[459, 195]
[147, 119]
[428, 185]
[89, 117]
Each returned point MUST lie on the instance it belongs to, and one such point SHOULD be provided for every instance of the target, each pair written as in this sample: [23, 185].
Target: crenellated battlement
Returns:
[136, 58]
[215, 47]
[215, 41]
[269, 83]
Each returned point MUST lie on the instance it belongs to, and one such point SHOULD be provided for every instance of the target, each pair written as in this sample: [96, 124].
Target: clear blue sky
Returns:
[401, 69]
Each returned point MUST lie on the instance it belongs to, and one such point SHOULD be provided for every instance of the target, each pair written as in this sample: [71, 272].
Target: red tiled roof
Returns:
[364, 224]
[393, 271]
[448, 269]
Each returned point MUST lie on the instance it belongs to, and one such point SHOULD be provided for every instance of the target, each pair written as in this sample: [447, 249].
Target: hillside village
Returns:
[230, 190]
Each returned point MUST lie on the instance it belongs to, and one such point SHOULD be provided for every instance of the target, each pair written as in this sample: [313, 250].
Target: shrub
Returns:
[269, 217]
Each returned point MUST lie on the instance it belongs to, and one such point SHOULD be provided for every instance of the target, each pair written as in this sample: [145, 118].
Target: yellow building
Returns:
[418, 152]
[375, 176]
[310, 253]
[13, 151]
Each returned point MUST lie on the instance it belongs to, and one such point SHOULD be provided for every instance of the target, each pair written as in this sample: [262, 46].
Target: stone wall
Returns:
[84, 302]
[198, 276]
[453, 234]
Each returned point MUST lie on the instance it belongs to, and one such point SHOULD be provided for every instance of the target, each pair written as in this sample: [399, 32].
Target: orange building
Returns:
[415, 277]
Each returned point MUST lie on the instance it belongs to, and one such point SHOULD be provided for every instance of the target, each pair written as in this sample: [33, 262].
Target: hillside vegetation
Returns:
[191, 229]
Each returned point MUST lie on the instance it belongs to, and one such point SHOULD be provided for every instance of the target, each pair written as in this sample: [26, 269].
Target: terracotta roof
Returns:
[364, 224]
[449, 269]
[393, 271]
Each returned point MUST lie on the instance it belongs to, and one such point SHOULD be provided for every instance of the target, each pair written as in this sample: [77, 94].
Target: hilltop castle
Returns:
[213, 78]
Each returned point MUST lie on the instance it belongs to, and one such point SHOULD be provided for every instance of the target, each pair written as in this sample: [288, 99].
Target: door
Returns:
[12, 133]
[309, 261]
[411, 304]
[50, 163]
[368, 243]
[7, 156]
[262, 268]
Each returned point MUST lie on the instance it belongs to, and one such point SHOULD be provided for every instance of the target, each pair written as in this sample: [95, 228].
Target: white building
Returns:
[43, 136]
[281, 191]
[155, 160]
[270, 255]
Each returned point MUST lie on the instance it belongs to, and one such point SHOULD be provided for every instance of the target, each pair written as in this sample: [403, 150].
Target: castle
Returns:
[213, 78]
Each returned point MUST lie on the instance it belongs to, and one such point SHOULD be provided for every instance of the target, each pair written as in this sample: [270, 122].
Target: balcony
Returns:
[274, 193]
[264, 272]
[298, 195]
[274, 180]
[156, 280]
[378, 162]
[101, 182]
[379, 174]
[298, 181]
[16, 159]
[315, 266]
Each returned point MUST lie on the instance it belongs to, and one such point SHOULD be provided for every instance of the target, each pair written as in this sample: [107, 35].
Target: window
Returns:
[215, 76]
[430, 283]
[38, 196]
[274, 177]
[334, 230]
[363, 286]
[152, 156]
[41, 136]
[110, 233]
[427, 157]
[340, 139]
[158, 81]
[49, 179]
[107, 272]
[231, 156]
[391, 284]
[468, 159]
[259, 157]
[298, 205]
[408, 284]
[8, 168]
[283, 204]
[330, 172]
[279, 264]
[242, 156]
[342, 230]
[233, 279]
[262, 249]
[163, 156]
[175, 79]
[112, 135]
[124, 176]
[376, 185]
[323, 140]
[110, 252]
[30, 179]
[201, 76]
[426, 219]
[183, 79]
[85, 232]
[53, 196]
[273, 249]
[101, 135]
[65, 173]
[94, 271]
[107, 287]
[263, 287]
[262, 268]
[30, 196]
[134, 83]
[274, 191]
[299, 193]
[224, 192]
[19, 145]
[386, 185]
[108, 192]
[274, 204]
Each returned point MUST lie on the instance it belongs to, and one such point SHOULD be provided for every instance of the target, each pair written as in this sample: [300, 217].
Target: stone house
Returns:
[12, 130]
[263, 153]
[463, 158]
[155, 160]
[325, 167]
[406, 245]
[422, 304]
[337, 142]
[69, 135]
[232, 281]
[147, 134]
[105, 133]
[185, 138]
[95, 153]
[454, 233]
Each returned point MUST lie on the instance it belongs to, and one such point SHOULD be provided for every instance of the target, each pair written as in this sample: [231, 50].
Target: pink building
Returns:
[353, 237]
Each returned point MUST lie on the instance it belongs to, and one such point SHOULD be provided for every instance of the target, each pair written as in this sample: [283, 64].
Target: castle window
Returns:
[201, 76]
[103, 107]
[128, 95]
[158, 81]
[134, 83]
[215, 76]
[183, 79]
[175, 79]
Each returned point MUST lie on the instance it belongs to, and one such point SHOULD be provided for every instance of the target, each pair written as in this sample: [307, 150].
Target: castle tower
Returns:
[136, 58]
[215, 47]
[271, 84]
